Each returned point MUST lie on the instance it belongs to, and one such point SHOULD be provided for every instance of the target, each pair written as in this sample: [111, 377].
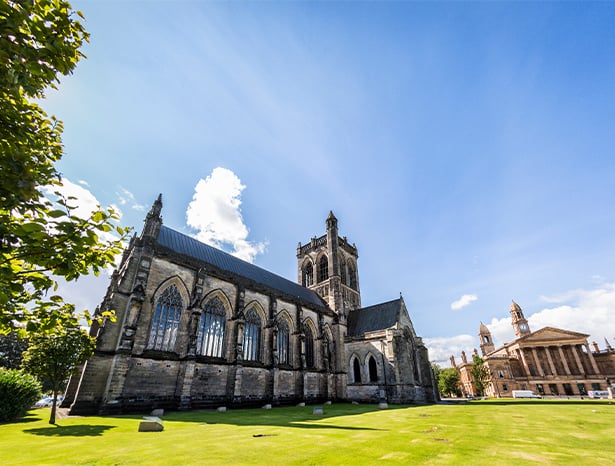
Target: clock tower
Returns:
[519, 322]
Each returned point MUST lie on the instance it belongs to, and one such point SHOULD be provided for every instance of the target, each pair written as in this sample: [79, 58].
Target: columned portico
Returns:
[537, 360]
[550, 359]
[575, 354]
[526, 368]
[591, 359]
[563, 359]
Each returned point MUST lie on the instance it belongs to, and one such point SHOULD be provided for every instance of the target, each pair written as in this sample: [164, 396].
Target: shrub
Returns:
[18, 392]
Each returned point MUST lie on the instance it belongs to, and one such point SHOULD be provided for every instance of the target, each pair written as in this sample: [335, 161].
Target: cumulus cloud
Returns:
[85, 202]
[126, 198]
[215, 212]
[86, 292]
[464, 301]
[580, 310]
[441, 349]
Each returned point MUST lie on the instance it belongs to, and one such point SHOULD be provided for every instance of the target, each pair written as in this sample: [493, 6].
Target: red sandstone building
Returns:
[550, 361]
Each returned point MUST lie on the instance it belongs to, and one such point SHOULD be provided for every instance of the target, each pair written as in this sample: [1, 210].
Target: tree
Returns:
[436, 369]
[53, 357]
[12, 347]
[448, 382]
[480, 374]
[18, 391]
[40, 238]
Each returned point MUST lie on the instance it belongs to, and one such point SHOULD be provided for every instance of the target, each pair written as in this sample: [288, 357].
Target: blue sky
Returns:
[466, 148]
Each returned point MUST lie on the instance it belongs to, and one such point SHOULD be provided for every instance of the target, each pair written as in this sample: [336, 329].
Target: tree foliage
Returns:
[18, 392]
[12, 346]
[480, 374]
[40, 237]
[53, 357]
[436, 369]
[448, 382]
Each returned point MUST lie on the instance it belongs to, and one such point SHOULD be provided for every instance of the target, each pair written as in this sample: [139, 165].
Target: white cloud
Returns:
[126, 198]
[215, 212]
[464, 301]
[584, 311]
[441, 349]
[84, 203]
[88, 291]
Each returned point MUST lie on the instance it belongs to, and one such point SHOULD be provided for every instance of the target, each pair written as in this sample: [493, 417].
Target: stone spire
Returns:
[153, 221]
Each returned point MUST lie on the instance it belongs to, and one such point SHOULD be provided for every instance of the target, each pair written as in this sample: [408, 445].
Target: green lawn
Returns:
[479, 432]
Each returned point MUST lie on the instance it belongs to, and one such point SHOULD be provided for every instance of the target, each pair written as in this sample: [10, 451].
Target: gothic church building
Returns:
[196, 327]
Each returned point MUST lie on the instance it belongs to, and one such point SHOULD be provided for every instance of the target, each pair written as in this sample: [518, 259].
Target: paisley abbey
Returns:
[196, 327]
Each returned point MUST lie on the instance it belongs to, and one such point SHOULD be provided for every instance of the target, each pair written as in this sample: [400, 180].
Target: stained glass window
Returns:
[373, 370]
[283, 342]
[166, 320]
[309, 347]
[323, 269]
[252, 336]
[356, 371]
[210, 334]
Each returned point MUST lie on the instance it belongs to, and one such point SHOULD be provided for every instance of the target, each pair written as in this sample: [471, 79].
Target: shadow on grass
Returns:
[288, 416]
[84, 430]
[23, 420]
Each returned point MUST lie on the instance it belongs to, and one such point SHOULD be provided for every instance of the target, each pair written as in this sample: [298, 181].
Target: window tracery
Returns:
[166, 320]
[252, 336]
[210, 335]
[283, 343]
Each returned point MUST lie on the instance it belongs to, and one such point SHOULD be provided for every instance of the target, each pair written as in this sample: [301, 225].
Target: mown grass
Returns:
[480, 432]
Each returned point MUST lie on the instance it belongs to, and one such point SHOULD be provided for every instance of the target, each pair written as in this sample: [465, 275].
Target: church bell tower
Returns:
[328, 265]
[519, 322]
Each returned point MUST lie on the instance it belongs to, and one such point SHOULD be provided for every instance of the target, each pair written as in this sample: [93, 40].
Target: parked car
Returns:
[47, 401]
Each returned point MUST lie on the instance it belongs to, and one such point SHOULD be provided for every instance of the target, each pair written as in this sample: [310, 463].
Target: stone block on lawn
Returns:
[151, 424]
[157, 412]
[221, 409]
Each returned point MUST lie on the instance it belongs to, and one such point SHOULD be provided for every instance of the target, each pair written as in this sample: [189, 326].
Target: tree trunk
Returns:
[52, 417]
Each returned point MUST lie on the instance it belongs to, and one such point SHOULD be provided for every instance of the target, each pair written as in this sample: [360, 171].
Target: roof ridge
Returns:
[187, 245]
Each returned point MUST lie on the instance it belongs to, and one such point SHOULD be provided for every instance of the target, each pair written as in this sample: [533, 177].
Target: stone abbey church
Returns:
[197, 327]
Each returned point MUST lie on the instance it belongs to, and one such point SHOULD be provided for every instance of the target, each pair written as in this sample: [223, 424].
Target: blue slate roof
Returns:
[188, 246]
[373, 318]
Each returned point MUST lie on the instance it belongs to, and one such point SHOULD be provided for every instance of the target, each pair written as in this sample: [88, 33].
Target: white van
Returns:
[524, 394]
[598, 393]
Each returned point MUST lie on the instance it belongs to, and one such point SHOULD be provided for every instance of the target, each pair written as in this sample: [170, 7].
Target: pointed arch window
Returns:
[373, 369]
[356, 370]
[166, 320]
[210, 334]
[283, 342]
[323, 268]
[252, 336]
[308, 275]
[352, 277]
[309, 347]
[343, 271]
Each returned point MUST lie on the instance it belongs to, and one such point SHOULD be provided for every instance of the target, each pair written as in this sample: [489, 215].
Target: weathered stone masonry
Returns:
[197, 327]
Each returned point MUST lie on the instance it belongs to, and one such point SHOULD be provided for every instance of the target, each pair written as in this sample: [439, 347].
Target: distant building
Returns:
[550, 361]
[198, 327]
